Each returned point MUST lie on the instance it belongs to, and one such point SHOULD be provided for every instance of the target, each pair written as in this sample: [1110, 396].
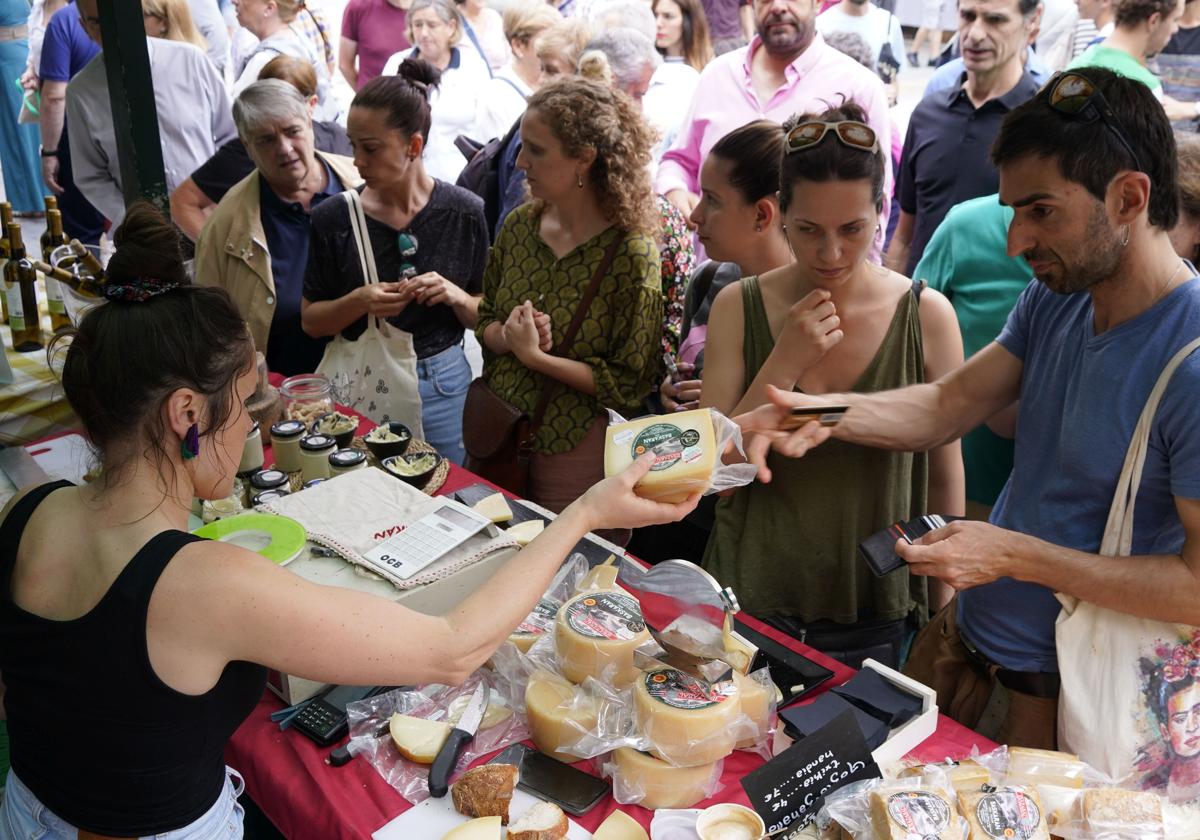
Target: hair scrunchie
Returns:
[137, 289]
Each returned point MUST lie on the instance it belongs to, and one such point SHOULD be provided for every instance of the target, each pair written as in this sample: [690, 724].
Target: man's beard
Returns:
[1097, 260]
[786, 43]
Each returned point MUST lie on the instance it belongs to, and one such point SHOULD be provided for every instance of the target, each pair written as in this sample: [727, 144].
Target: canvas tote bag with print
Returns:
[1130, 702]
[376, 374]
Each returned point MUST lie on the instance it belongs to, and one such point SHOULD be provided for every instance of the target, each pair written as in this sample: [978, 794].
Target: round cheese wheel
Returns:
[643, 779]
[688, 720]
[555, 709]
[755, 699]
[596, 634]
[539, 622]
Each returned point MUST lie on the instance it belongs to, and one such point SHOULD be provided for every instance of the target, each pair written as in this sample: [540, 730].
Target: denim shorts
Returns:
[23, 817]
[443, 382]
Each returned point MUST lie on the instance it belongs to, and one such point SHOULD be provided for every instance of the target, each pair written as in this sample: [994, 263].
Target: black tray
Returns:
[795, 674]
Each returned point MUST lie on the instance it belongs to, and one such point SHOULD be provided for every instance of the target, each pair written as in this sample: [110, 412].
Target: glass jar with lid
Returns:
[346, 460]
[314, 456]
[285, 444]
[252, 452]
[306, 397]
[268, 480]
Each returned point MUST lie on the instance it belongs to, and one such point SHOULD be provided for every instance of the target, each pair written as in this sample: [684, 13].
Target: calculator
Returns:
[432, 536]
[324, 718]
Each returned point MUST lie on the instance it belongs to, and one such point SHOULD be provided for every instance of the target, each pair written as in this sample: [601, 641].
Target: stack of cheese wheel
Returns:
[558, 713]
[596, 634]
[688, 720]
[641, 778]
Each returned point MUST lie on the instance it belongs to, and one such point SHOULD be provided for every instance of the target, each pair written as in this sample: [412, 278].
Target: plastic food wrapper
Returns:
[369, 736]
[921, 806]
[639, 778]
[678, 447]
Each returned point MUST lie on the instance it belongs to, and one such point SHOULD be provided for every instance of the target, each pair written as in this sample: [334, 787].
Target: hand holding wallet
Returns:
[878, 550]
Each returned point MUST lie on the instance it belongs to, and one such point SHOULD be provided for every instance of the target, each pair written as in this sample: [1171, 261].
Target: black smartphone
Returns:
[572, 790]
[826, 415]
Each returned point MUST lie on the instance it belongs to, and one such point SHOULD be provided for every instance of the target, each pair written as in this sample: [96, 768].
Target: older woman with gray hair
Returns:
[435, 29]
[271, 205]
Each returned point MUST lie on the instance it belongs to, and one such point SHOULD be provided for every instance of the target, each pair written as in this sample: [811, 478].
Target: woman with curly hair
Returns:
[585, 151]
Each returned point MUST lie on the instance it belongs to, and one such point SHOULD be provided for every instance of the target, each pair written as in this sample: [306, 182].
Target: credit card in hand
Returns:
[826, 415]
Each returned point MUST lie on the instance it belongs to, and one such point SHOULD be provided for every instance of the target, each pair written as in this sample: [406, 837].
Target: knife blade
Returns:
[461, 735]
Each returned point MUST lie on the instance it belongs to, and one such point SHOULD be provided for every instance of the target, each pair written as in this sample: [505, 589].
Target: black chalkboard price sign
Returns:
[789, 789]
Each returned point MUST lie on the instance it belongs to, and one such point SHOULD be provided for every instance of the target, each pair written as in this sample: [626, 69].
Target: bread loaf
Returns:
[485, 791]
[544, 821]
[1120, 814]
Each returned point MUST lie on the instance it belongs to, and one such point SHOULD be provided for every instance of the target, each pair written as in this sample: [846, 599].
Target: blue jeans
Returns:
[444, 379]
[23, 817]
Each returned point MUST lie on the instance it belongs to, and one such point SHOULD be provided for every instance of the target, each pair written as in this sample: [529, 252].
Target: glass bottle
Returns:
[20, 280]
[6, 218]
[53, 238]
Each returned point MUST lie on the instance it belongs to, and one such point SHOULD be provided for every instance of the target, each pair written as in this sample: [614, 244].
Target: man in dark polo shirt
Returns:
[945, 159]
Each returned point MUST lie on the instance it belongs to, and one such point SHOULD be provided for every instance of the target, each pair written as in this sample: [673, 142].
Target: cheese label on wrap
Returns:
[606, 615]
[541, 619]
[921, 813]
[1008, 815]
[682, 691]
[672, 445]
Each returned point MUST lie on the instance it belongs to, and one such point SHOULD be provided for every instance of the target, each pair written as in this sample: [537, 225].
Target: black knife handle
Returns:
[447, 757]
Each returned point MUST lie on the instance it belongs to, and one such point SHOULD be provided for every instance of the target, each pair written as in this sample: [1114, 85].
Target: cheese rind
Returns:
[919, 812]
[483, 828]
[620, 826]
[689, 721]
[645, 780]
[596, 634]
[1006, 813]
[557, 711]
[494, 507]
[685, 453]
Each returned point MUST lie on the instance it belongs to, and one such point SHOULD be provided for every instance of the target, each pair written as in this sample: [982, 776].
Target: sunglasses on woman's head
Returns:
[851, 133]
[1074, 95]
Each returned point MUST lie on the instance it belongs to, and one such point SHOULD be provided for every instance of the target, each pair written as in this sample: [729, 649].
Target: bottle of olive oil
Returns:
[20, 280]
[51, 239]
[5, 220]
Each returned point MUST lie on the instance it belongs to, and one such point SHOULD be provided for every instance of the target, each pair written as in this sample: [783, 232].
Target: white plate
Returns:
[433, 818]
[674, 824]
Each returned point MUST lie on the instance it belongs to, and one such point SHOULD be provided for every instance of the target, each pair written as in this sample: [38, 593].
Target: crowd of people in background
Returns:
[650, 206]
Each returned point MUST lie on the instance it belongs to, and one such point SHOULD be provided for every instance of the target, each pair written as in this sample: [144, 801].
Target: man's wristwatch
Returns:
[49, 152]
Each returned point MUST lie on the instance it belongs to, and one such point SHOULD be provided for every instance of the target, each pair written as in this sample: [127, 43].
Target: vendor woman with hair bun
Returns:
[167, 635]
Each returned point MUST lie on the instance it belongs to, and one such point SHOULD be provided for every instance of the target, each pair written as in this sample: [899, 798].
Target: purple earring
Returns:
[189, 447]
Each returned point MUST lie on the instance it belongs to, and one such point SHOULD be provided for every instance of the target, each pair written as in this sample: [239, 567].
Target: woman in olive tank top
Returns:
[830, 321]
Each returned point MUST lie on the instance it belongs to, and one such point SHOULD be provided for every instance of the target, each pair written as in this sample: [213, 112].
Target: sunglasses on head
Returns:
[1074, 95]
[851, 133]
[407, 243]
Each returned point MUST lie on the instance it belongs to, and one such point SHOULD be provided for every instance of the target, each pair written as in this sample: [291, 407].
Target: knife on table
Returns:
[461, 735]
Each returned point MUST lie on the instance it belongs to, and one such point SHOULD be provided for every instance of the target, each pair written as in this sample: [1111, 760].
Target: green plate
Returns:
[277, 538]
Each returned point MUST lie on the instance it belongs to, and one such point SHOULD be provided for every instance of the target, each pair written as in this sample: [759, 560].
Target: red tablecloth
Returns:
[287, 776]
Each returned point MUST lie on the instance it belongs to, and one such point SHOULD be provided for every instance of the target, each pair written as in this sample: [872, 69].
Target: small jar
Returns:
[269, 496]
[252, 451]
[285, 444]
[306, 397]
[220, 509]
[268, 480]
[346, 460]
[313, 483]
[314, 456]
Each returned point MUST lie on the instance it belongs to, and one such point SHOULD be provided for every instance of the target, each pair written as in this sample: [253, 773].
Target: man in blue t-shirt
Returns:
[1094, 193]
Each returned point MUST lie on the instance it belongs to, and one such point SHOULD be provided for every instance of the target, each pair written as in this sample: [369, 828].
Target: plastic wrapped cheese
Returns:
[685, 453]
[1004, 813]
[596, 634]
[643, 779]
[912, 813]
[558, 714]
[1044, 767]
[756, 700]
[688, 720]
[539, 622]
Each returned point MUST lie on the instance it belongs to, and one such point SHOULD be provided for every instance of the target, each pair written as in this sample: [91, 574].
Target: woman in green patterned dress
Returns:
[585, 152]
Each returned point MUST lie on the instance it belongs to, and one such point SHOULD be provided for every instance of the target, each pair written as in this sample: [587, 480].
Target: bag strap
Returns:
[568, 339]
[362, 240]
[1118, 531]
[470, 30]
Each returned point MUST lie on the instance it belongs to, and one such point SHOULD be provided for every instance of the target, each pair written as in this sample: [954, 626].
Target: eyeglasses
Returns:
[407, 243]
[852, 133]
[1076, 96]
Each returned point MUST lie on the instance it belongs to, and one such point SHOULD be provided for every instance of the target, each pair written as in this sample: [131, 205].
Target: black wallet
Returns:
[878, 550]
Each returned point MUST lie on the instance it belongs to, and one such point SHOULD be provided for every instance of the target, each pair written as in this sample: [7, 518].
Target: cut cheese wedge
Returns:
[688, 720]
[1028, 766]
[418, 739]
[620, 826]
[755, 699]
[494, 507]
[495, 713]
[596, 634]
[923, 812]
[483, 828]
[539, 622]
[643, 779]
[685, 453]
[600, 579]
[1004, 813]
[524, 532]
[559, 713]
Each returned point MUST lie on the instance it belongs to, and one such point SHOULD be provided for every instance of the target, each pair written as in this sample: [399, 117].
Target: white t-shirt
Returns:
[489, 29]
[877, 27]
[669, 96]
[501, 105]
[454, 102]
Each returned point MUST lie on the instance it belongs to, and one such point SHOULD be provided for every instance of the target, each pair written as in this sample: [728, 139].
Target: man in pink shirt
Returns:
[372, 30]
[787, 69]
